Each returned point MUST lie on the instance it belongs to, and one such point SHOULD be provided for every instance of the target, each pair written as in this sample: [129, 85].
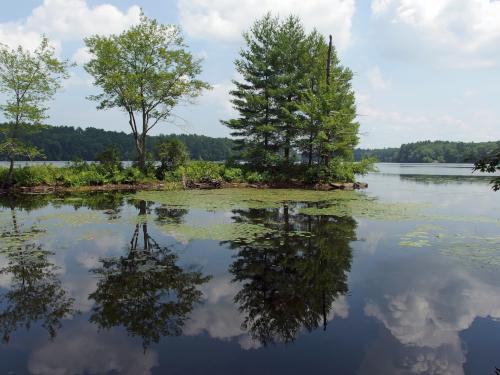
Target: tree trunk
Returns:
[141, 150]
[311, 139]
[11, 171]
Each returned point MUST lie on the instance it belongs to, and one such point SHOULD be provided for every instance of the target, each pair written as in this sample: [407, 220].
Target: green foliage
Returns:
[145, 71]
[255, 177]
[490, 164]
[172, 155]
[233, 174]
[294, 99]
[14, 149]
[28, 80]
[203, 171]
[73, 175]
[62, 143]
[110, 159]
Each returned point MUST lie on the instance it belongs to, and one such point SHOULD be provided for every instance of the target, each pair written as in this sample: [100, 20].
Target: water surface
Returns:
[401, 279]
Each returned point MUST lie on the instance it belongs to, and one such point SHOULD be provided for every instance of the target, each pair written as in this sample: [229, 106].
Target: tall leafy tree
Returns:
[330, 110]
[253, 97]
[29, 79]
[292, 70]
[294, 96]
[145, 71]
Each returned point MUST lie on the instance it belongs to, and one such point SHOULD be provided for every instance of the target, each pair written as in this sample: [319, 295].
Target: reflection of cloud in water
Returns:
[428, 310]
[219, 317]
[5, 278]
[370, 234]
[79, 287]
[387, 356]
[82, 351]
[105, 245]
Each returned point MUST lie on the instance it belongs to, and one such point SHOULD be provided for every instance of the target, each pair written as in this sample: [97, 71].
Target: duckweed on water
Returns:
[226, 199]
[74, 218]
[334, 203]
[11, 239]
[218, 232]
[470, 248]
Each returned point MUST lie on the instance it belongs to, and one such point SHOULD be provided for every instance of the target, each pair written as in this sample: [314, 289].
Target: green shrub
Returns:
[204, 171]
[233, 175]
[172, 155]
[110, 158]
[34, 175]
[255, 177]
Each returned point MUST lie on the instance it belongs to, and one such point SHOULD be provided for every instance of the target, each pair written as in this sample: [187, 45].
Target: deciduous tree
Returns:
[29, 79]
[145, 71]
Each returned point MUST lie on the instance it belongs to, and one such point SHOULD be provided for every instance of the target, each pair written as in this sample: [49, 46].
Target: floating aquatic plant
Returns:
[469, 247]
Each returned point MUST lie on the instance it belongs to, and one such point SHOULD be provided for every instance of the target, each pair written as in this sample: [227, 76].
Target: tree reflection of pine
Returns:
[145, 291]
[35, 293]
[290, 279]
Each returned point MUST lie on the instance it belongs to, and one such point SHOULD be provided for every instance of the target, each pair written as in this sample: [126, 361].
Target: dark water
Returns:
[94, 284]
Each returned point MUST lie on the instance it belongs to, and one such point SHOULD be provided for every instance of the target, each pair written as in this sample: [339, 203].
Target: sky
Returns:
[423, 69]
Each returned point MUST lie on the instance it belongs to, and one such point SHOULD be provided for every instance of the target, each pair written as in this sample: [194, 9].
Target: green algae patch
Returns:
[422, 236]
[332, 203]
[367, 207]
[12, 239]
[467, 247]
[226, 199]
[75, 218]
[95, 235]
[217, 232]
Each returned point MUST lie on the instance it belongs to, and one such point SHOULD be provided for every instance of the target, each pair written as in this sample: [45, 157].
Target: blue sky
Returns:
[424, 69]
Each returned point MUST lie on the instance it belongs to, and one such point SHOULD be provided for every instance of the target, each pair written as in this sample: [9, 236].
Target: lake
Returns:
[403, 278]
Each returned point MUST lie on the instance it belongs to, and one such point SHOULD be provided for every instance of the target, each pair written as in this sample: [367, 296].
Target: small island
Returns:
[296, 124]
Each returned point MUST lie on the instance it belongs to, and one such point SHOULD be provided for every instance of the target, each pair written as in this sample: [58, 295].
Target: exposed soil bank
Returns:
[42, 189]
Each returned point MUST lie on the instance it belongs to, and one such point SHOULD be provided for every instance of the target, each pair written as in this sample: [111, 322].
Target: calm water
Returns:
[403, 281]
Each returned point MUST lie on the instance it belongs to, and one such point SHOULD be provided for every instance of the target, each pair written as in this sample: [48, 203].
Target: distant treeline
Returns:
[431, 152]
[69, 143]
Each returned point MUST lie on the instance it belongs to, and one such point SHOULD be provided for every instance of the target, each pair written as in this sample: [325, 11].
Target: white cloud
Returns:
[454, 33]
[376, 80]
[82, 56]
[224, 20]
[67, 20]
[220, 98]
[386, 125]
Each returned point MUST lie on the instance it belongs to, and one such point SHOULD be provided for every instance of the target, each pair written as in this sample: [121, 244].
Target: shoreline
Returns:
[49, 189]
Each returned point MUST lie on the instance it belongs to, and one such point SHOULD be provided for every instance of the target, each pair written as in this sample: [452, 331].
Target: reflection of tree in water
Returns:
[145, 291]
[168, 215]
[35, 293]
[291, 279]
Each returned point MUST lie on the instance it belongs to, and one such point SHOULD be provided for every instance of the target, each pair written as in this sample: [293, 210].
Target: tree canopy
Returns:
[66, 143]
[145, 71]
[28, 79]
[294, 99]
[431, 152]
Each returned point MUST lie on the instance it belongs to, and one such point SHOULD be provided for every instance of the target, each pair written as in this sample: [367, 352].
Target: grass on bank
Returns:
[78, 174]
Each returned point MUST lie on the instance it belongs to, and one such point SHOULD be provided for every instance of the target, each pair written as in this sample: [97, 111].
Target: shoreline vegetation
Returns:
[295, 124]
[90, 177]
